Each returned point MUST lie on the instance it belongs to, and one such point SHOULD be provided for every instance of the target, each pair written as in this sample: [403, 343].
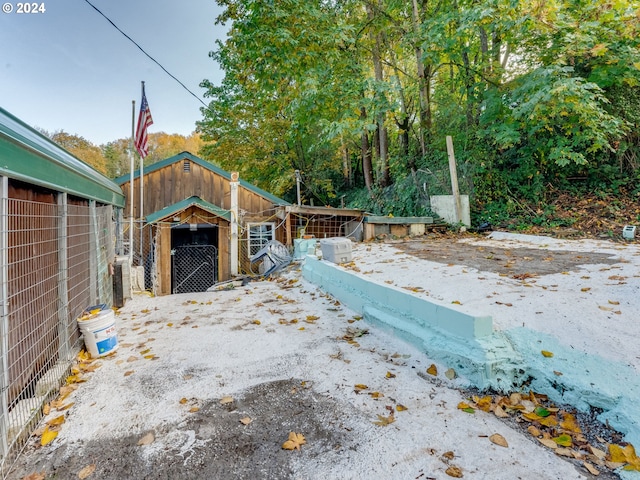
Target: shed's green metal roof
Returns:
[29, 156]
[203, 163]
[186, 203]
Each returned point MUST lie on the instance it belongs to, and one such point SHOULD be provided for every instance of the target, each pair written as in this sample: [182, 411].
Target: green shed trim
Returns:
[183, 205]
[29, 156]
[204, 164]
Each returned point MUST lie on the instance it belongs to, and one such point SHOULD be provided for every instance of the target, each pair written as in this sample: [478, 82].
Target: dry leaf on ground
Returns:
[246, 420]
[47, 436]
[35, 476]
[592, 470]
[148, 439]
[384, 421]
[499, 440]
[86, 471]
[294, 442]
[226, 399]
[454, 471]
[432, 370]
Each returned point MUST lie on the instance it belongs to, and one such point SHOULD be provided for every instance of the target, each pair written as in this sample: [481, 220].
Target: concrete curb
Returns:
[502, 361]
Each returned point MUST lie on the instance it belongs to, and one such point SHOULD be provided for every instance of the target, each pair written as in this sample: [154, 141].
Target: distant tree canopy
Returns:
[112, 159]
[358, 95]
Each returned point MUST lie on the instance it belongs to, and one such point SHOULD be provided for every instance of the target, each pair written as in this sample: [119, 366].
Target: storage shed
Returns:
[185, 229]
[57, 243]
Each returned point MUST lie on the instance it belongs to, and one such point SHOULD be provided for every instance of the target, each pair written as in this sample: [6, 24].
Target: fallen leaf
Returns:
[226, 399]
[132, 359]
[183, 400]
[194, 409]
[360, 386]
[542, 412]
[56, 421]
[569, 423]
[454, 471]
[597, 452]
[450, 374]
[546, 354]
[563, 440]
[534, 431]
[169, 324]
[401, 408]
[256, 322]
[384, 421]
[483, 403]
[86, 471]
[47, 436]
[391, 375]
[376, 395]
[592, 470]
[35, 476]
[294, 442]
[145, 351]
[128, 372]
[465, 407]
[246, 420]
[46, 409]
[498, 440]
[626, 455]
[606, 309]
[565, 452]
[148, 439]
[613, 302]
[499, 412]
[433, 370]
[547, 442]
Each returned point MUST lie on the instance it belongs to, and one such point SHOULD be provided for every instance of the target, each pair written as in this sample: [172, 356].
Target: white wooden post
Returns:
[233, 245]
[454, 179]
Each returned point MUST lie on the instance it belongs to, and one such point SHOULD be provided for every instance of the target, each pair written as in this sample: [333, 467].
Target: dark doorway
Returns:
[194, 255]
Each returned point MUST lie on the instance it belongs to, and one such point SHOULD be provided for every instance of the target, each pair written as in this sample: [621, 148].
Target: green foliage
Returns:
[534, 95]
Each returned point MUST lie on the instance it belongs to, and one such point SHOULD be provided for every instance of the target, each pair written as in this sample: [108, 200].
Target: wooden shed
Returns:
[185, 223]
[57, 245]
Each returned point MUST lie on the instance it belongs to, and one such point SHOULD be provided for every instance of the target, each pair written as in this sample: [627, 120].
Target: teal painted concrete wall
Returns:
[504, 361]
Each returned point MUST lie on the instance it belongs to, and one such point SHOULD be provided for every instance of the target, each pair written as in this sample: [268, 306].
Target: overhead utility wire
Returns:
[143, 51]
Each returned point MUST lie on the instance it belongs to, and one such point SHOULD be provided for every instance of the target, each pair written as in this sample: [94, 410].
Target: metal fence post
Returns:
[4, 325]
[93, 255]
[63, 280]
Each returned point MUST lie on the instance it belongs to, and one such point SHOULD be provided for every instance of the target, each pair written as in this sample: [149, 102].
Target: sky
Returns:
[69, 69]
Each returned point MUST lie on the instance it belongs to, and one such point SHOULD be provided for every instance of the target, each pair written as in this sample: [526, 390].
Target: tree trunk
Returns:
[423, 87]
[382, 135]
[367, 169]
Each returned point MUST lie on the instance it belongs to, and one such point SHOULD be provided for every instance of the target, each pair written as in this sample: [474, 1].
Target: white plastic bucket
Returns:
[99, 332]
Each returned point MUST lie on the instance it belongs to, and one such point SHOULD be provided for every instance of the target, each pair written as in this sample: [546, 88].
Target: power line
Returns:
[149, 56]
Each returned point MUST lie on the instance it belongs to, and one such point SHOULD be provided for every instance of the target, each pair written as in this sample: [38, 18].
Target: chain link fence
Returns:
[56, 253]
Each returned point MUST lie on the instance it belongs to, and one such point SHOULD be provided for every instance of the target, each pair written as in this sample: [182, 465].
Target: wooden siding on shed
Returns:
[171, 184]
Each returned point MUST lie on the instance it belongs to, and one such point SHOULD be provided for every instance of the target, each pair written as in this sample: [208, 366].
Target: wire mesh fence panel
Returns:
[32, 299]
[142, 250]
[194, 268]
[105, 252]
[56, 253]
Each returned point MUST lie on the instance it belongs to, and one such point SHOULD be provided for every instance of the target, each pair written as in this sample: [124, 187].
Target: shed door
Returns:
[194, 253]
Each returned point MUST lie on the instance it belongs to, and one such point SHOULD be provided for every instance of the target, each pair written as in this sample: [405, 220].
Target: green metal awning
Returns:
[183, 205]
[29, 156]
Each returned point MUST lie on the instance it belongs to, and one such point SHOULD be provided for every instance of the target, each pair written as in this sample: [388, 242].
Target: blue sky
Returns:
[69, 69]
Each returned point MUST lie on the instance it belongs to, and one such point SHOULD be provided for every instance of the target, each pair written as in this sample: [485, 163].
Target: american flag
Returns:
[144, 121]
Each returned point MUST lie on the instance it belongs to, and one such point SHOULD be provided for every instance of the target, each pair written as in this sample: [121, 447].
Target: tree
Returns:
[81, 148]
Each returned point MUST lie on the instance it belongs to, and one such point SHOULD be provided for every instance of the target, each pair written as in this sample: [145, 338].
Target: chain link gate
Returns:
[195, 268]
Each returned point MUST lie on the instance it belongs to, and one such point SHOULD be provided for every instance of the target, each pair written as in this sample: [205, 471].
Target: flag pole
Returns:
[131, 170]
[141, 194]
